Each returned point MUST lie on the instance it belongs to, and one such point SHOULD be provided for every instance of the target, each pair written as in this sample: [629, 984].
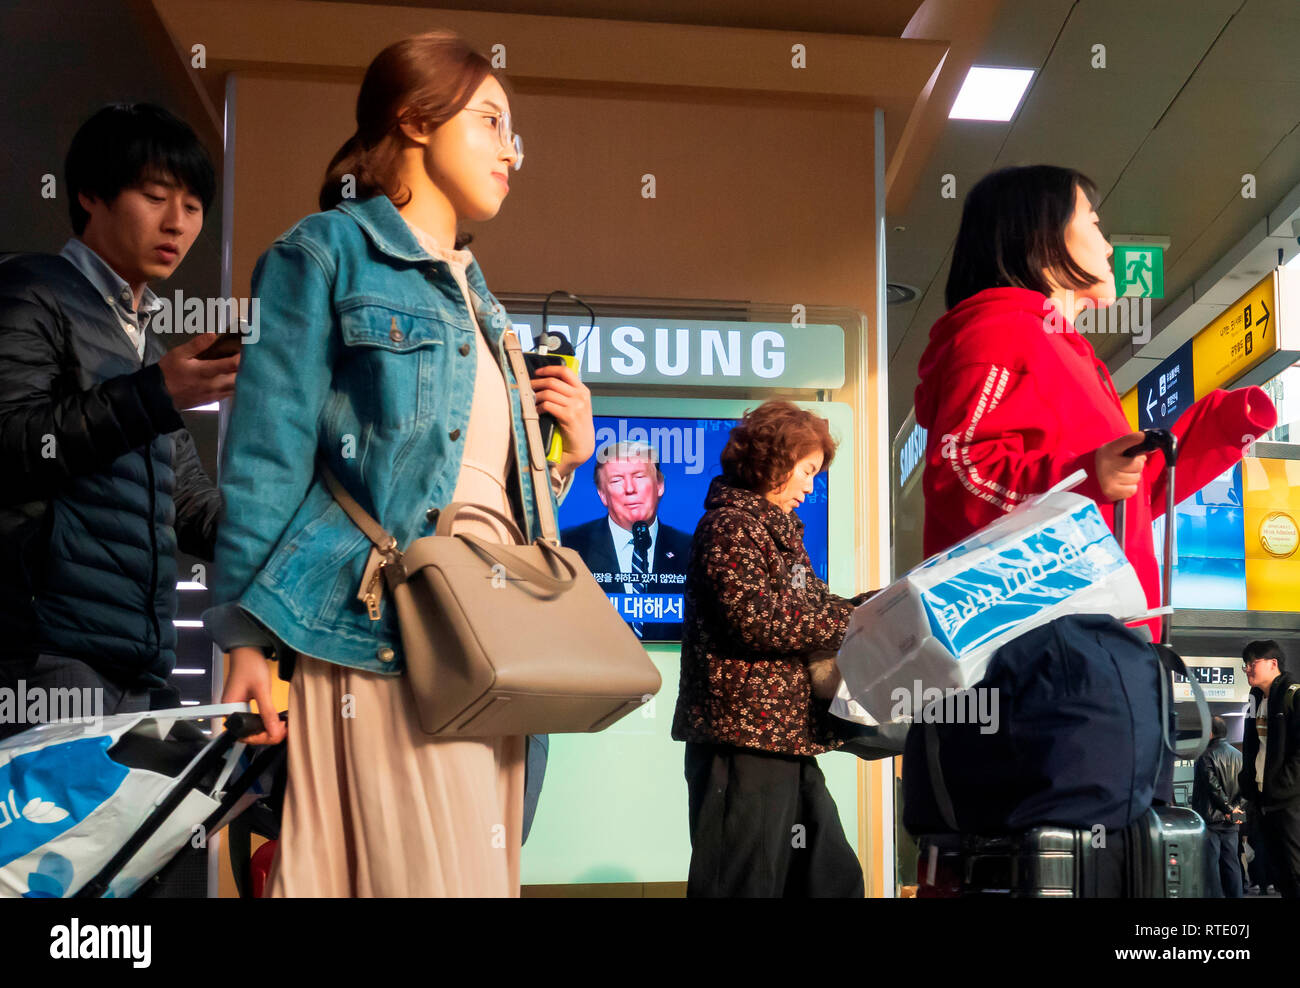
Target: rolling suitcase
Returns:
[1158, 855]
[1166, 852]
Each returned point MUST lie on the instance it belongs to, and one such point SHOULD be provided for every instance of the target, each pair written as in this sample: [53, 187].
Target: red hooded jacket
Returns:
[1013, 407]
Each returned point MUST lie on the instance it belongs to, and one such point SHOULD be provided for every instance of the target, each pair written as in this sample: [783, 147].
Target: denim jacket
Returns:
[366, 360]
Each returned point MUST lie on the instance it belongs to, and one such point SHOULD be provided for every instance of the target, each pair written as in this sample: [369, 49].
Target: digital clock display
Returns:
[1211, 675]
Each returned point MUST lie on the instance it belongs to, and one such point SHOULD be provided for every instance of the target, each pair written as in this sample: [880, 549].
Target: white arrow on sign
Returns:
[1151, 401]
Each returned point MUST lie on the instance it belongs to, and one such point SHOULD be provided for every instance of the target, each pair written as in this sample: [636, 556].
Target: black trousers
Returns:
[1281, 832]
[764, 825]
[1222, 864]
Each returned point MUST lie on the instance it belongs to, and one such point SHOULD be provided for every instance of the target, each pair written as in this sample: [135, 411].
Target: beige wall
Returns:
[761, 204]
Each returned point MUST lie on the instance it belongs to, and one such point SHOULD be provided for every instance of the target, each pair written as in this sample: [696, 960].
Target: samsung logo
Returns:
[732, 354]
[630, 350]
[911, 453]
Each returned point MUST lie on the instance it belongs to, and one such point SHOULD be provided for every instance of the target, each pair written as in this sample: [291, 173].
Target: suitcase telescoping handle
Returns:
[1167, 443]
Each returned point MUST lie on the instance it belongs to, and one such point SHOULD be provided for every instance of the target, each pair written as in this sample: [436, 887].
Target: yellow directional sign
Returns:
[1240, 337]
[1251, 340]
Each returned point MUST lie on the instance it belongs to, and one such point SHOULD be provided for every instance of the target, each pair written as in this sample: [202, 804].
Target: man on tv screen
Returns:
[629, 551]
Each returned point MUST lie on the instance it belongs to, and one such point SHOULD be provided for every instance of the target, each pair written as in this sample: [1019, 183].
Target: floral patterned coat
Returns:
[754, 611]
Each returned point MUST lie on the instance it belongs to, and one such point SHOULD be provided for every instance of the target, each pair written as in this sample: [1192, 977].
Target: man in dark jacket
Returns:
[102, 482]
[1216, 796]
[1270, 774]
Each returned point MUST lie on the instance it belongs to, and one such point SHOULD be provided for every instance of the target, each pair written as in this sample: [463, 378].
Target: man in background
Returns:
[101, 481]
[1270, 774]
[1216, 796]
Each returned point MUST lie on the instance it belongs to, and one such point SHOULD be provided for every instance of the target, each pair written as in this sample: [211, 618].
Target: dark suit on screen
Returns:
[594, 542]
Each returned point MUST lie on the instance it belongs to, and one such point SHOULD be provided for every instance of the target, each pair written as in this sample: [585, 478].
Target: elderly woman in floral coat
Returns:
[758, 628]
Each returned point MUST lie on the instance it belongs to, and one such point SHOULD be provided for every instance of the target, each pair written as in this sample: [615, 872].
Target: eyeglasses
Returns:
[1246, 665]
[506, 134]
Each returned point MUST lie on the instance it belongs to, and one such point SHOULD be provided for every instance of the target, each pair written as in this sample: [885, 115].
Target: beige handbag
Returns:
[505, 639]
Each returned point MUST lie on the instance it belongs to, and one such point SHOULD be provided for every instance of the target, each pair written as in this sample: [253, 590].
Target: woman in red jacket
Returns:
[1015, 399]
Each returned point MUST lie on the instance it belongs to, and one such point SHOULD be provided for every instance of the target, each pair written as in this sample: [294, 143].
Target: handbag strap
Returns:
[421, 554]
[375, 532]
[448, 515]
[513, 564]
[533, 433]
[385, 542]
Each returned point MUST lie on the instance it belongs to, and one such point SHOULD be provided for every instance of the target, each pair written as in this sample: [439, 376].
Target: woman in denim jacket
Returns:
[380, 355]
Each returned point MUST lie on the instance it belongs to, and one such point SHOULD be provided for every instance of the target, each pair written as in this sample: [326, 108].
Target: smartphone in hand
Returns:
[227, 345]
[552, 441]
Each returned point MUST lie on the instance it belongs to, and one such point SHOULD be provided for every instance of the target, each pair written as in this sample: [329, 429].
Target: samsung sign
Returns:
[910, 454]
[713, 354]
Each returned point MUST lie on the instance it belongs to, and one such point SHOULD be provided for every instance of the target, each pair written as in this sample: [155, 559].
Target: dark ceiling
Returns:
[878, 18]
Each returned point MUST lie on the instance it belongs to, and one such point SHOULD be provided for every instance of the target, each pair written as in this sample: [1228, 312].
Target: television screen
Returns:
[688, 451]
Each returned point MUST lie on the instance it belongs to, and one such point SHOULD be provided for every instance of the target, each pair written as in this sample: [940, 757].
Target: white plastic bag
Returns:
[938, 626]
[66, 807]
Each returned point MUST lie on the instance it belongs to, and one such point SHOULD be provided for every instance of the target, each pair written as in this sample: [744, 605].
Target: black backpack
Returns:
[1084, 707]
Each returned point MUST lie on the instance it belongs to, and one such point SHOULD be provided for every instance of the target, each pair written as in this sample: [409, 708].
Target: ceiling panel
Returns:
[1258, 45]
[1098, 144]
[1190, 169]
[1024, 32]
[879, 18]
[1275, 176]
[1151, 38]
[966, 150]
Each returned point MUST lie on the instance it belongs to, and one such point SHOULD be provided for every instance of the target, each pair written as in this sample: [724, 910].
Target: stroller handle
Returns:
[242, 725]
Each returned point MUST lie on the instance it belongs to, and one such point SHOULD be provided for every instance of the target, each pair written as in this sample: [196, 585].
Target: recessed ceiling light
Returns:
[990, 94]
[898, 294]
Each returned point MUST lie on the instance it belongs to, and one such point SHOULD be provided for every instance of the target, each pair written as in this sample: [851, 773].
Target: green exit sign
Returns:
[1139, 270]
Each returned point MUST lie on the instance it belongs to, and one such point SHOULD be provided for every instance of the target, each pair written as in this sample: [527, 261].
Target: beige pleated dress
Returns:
[373, 806]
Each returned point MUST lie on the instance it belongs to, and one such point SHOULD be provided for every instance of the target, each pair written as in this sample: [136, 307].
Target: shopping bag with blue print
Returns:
[96, 808]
